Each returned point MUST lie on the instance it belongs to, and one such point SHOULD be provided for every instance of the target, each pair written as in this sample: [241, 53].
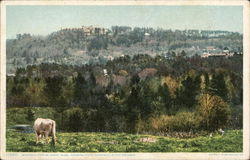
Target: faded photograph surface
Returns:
[124, 78]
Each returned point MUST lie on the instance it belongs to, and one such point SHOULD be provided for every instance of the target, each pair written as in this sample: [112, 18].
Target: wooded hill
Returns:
[75, 47]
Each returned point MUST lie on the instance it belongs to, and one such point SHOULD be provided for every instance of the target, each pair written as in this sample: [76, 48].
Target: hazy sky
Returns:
[42, 20]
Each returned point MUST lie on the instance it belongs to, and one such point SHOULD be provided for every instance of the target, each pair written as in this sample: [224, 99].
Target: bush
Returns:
[73, 119]
[115, 124]
[214, 112]
[184, 121]
[236, 118]
[161, 124]
[143, 126]
[181, 122]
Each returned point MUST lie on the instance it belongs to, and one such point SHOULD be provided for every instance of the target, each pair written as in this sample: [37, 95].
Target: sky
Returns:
[43, 20]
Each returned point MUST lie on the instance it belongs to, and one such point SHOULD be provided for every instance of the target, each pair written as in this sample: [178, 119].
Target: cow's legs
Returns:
[41, 137]
[38, 138]
[46, 137]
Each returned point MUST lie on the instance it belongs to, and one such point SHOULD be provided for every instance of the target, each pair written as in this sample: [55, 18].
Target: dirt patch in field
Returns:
[147, 139]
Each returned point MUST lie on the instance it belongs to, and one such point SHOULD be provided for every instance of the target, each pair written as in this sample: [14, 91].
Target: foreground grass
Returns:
[232, 141]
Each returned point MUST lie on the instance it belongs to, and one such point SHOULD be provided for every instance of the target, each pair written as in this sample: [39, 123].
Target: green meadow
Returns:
[231, 141]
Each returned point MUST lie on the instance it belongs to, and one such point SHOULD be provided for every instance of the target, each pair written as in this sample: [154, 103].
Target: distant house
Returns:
[211, 51]
[226, 51]
[220, 54]
[205, 55]
[210, 48]
[105, 72]
[90, 30]
[111, 58]
[147, 36]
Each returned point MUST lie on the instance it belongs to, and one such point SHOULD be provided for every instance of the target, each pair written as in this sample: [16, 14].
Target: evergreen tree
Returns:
[80, 90]
[144, 101]
[183, 53]
[188, 91]
[92, 80]
[53, 90]
[218, 86]
[135, 79]
[132, 108]
[30, 115]
[165, 95]
[53, 93]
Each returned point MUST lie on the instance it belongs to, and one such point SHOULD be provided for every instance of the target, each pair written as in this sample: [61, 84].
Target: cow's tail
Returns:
[54, 132]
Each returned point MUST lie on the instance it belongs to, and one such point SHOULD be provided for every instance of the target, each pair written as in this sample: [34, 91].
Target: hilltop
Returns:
[91, 45]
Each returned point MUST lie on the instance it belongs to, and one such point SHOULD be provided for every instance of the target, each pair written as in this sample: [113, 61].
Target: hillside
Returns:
[77, 46]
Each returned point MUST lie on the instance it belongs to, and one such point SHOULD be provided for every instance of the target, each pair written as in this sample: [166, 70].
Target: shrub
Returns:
[115, 124]
[143, 126]
[161, 124]
[184, 121]
[214, 112]
[181, 122]
[236, 118]
[73, 119]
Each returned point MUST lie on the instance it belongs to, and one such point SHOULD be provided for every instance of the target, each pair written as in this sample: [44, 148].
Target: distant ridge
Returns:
[91, 44]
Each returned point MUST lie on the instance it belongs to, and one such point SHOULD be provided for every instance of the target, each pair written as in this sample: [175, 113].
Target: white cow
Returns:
[44, 128]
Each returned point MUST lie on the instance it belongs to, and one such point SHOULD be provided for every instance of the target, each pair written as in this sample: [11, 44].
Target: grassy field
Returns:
[232, 141]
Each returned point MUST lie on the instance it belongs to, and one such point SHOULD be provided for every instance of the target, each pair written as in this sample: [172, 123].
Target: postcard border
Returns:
[179, 155]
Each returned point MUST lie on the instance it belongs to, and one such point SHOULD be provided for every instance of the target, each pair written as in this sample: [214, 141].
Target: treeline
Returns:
[139, 94]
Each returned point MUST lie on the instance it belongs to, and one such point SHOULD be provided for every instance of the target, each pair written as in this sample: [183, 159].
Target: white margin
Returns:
[122, 156]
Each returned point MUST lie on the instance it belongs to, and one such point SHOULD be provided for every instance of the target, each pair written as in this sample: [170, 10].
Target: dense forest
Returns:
[134, 94]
